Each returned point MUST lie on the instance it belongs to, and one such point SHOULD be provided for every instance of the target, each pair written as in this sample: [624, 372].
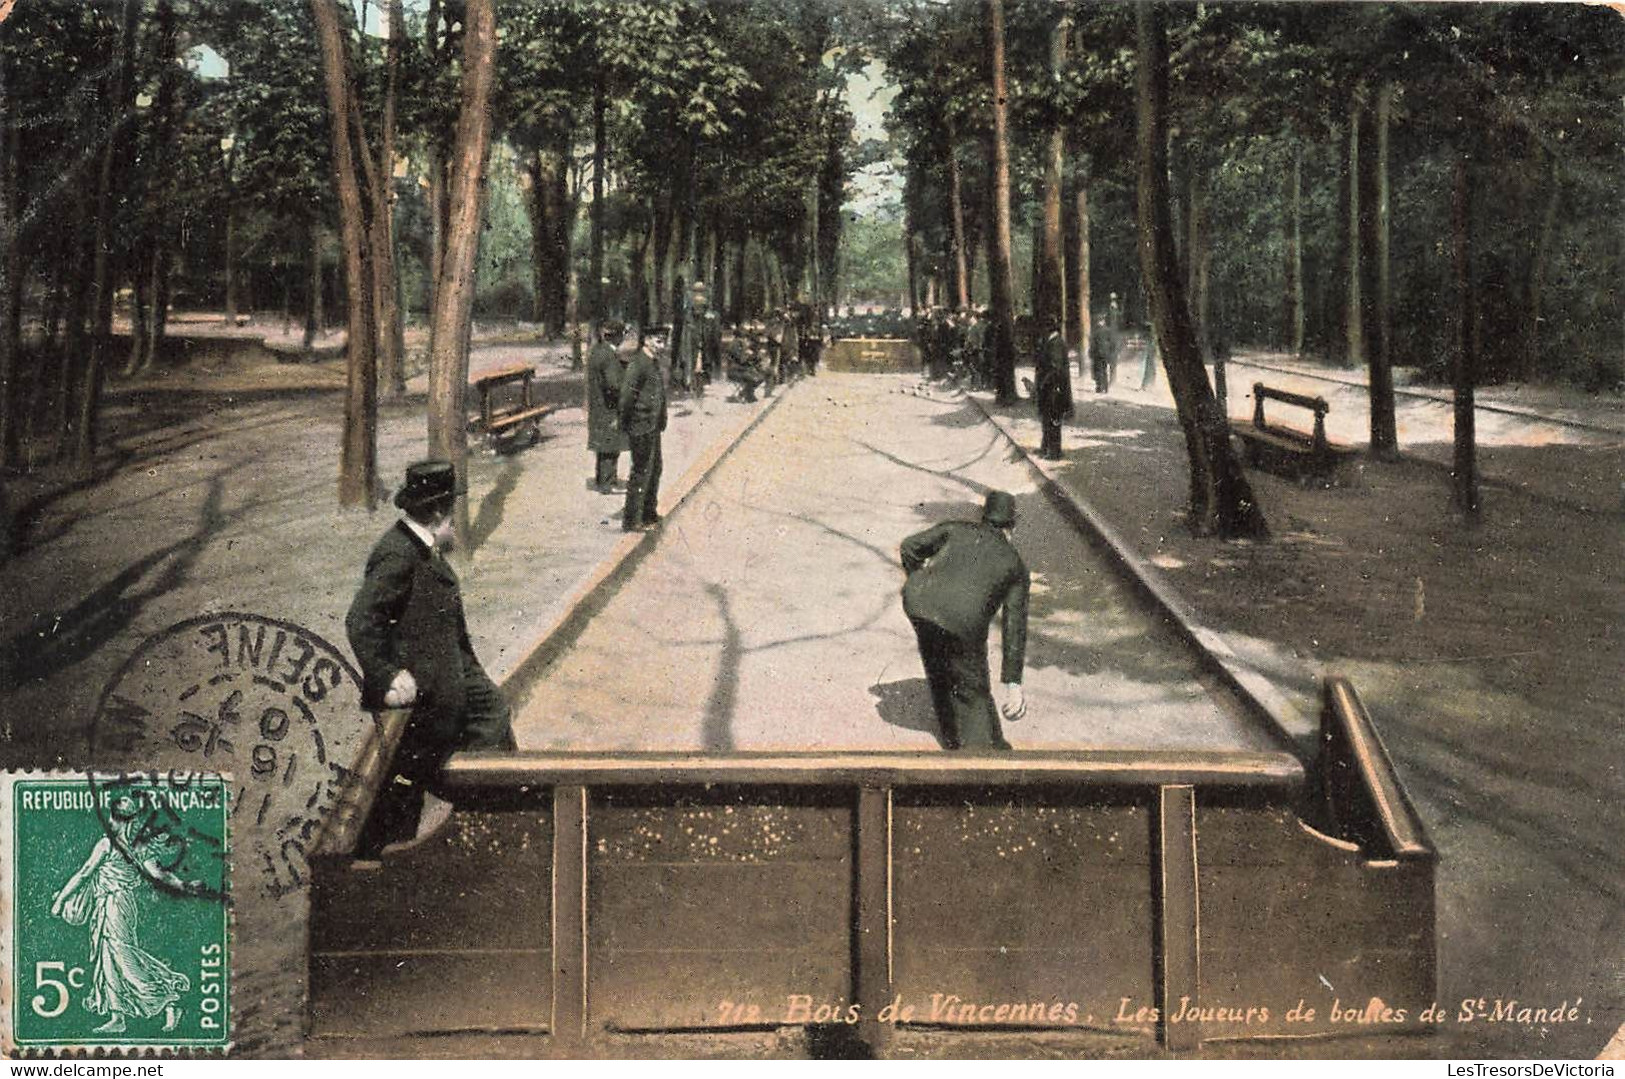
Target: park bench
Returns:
[507, 421]
[1288, 451]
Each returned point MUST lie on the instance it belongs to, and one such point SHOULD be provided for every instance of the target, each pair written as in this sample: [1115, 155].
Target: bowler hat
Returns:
[427, 482]
[1000, 509]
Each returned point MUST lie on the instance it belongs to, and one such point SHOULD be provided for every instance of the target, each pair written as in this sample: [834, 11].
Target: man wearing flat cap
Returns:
[960, 574]
[409, 635]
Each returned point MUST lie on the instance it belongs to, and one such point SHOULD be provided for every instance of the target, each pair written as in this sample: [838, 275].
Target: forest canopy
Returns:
[161, 155]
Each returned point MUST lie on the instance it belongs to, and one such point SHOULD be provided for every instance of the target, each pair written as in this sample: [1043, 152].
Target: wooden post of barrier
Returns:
[1177, 916]
[569, 1024]
[872, 944]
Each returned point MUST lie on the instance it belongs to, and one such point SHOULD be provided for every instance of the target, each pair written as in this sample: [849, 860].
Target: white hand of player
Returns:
[403, 690]
[1015, 704]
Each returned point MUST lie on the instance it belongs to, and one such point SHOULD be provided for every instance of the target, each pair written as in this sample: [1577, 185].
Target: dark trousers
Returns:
[956, 670]
[643, 486]
[415, 770]
[1051, 448]
[605, 474]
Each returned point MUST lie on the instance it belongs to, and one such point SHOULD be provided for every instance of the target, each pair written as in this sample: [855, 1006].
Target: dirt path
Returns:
[769, 616]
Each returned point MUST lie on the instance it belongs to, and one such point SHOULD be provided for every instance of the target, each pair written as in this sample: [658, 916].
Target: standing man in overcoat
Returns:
[960, 574]
[643, 418]
[407, 629]
[604, 435]
[1053, 390]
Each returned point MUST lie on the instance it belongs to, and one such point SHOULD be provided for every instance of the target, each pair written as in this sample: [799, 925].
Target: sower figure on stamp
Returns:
[409, 634]
[126, 980]
[604, 435]
[643, 418]
[960, 574]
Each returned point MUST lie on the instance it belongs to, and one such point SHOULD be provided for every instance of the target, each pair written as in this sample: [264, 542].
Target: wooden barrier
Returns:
[575, 897]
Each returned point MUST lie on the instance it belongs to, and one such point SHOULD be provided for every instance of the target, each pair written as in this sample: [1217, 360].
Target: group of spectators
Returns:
[956, 346]
[627, 388]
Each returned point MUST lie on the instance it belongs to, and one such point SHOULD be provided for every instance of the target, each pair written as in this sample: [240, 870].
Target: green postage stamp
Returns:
[115, 920]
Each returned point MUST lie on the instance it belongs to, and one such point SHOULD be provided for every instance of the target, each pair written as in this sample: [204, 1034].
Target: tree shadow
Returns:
[492, 506]
[54, 641]
[717, 733]
[966, 415]
[150, 433]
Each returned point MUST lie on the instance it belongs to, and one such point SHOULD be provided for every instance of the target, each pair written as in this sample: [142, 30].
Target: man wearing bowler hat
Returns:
[960, 573]
[408, 632]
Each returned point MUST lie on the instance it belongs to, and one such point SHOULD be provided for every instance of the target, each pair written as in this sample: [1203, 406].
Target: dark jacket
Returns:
[408, 613]
[1104, 342]
[959, 574]
[1054, 387]
[711, 342]
[643, 397]
[604, 370]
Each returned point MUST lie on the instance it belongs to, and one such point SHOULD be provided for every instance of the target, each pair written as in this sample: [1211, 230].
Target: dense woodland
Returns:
[1378, 185]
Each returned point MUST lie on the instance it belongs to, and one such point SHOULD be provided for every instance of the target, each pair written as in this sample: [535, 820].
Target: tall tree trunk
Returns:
[1049, 289]
[230, 267]
[1082, 313]
[550, 241]
[358, 455]
[600, 150]
[1538, 256]
[1464, 471]
[163, 262]
[313, 284]
[1221, 501]
[1003, 285]
[662, 255]
[1384, 429]
[736, 299]
[561, 217]
[140, 313]
[536, 206]
[1354, 316]
[956, 220]
[911, 263]
[391, 330]
[1198, 259]
[160, 239]
[454, 306]
[118, 108]
[1292, 307]
[74, 346]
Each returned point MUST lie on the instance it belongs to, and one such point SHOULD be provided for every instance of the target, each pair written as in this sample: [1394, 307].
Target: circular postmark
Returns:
[153, 821]
[265, 702]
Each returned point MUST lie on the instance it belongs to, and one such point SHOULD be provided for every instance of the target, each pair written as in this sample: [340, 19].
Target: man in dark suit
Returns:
[643, 418]
[960, 574]
[604, 435]
[1054, 391]
[409, 635]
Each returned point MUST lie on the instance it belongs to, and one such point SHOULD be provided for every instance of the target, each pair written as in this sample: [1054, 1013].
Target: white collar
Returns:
[420, 532]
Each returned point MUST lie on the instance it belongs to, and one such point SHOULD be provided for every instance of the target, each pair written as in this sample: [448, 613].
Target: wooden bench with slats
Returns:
[509, 421]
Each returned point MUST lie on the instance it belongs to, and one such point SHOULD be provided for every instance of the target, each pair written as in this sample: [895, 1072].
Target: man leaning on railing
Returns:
[408, 632]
